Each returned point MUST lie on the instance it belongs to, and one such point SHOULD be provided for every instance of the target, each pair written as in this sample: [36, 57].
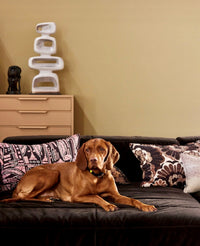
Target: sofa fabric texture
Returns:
[176, 222]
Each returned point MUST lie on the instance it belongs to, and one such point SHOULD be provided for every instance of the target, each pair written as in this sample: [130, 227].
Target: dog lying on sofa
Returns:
[88, 180]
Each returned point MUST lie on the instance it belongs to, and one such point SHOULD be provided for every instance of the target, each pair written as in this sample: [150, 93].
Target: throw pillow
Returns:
[16, 160]
[161, 165]
[191, 166]
[119, 176]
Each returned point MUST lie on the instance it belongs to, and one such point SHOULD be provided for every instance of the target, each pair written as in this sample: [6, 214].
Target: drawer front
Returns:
[35, 117]
[33, 130]
[36, 103]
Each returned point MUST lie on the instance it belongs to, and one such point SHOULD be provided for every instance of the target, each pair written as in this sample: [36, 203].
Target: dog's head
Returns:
[97, 155]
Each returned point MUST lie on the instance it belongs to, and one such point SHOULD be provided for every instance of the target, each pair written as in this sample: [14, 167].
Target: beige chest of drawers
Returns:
[36, 115]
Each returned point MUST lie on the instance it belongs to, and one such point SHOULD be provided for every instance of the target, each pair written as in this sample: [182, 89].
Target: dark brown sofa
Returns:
[177, 221]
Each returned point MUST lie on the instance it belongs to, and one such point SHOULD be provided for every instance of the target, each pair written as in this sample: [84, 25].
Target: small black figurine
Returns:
[14, 80]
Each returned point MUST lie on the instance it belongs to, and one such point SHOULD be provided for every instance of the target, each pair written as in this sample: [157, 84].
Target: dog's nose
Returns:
[93, 159]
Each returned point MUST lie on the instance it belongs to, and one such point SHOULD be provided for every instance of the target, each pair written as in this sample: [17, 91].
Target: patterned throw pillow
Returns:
[161, 165]
[119, 176]
[16, 160]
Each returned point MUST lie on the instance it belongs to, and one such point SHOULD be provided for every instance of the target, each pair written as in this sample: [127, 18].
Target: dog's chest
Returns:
[99, 185]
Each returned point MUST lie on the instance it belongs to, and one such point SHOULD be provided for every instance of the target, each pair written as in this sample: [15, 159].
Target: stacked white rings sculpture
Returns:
[45, 45]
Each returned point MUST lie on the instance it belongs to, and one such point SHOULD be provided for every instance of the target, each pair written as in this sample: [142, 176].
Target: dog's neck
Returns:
[98, 175]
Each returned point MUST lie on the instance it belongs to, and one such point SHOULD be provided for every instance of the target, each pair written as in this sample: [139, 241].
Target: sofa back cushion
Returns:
[128, 163]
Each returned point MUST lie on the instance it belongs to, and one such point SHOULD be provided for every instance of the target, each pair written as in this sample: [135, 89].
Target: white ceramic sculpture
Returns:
[45, 45]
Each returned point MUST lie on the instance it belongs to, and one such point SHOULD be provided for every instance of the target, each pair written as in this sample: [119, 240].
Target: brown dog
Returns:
[88, 180]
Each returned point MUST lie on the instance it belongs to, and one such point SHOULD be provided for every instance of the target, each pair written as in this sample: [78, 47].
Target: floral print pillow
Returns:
[119, 176]
[161, 165]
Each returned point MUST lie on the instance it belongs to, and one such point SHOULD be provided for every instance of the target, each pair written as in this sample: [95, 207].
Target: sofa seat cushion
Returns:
[43, 214]
[175, 209]
[39, 223]
[177, 221]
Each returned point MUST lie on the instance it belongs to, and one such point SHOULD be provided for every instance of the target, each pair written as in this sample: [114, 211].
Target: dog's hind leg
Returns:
[35, 182]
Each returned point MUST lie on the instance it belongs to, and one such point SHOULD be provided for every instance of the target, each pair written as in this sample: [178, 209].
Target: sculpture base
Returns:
[13, 92]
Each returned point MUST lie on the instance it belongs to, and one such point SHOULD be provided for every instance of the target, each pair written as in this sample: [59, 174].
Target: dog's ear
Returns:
[81, 160]
[112, 156]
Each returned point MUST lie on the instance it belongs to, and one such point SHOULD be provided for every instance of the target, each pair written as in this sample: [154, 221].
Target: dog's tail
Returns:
[17, 199]
[11, 200]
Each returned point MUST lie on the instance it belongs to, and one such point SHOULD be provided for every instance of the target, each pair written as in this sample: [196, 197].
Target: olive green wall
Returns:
[132, 65]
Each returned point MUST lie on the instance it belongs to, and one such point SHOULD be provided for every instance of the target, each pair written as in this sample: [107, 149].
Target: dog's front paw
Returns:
[110, 207]
[148, 208]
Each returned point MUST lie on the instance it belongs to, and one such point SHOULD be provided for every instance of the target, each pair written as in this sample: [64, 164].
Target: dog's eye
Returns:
[87, 150]
[101, 149]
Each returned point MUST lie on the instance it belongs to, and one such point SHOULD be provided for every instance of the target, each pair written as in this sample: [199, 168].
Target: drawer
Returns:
[36, 102]
[35, 117]
[34, 130]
